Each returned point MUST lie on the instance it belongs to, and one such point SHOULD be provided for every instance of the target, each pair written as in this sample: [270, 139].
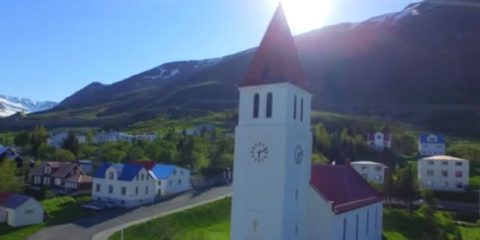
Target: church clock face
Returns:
[298, 154]
[259, 152]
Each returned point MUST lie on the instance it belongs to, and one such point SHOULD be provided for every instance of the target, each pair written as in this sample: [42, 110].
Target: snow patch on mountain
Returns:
[11, 105]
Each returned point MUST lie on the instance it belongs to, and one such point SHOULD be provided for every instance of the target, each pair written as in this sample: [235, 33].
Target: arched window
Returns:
[344, 229]
[295, 107]
[301, 110]
[269, 104]
[256, 105]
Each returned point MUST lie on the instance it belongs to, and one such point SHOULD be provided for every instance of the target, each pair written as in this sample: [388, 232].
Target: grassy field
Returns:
[60, 210]
[211, 222]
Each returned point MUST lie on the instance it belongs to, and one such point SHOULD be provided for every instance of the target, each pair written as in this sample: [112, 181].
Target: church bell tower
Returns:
[273, 141]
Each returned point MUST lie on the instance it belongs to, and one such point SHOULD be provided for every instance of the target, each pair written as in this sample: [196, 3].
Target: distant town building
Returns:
[86, 166]
[379, 140]
[171, 179]
[57, 139]
[148, 137]
[62, 177]
[431, 144]
[123, 185]
[10, 153]
[198, 130]
[371, 171]
[19, 210]
[105, 137]
[443, 173]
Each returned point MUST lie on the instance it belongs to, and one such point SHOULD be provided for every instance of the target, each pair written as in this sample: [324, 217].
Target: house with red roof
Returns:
[19, 210]
[277, 193]
[379, 140]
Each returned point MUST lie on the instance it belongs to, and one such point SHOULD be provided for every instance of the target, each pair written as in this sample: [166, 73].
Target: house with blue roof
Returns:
[123, 185]
[171, 179]
[431, 144]
[19, 210]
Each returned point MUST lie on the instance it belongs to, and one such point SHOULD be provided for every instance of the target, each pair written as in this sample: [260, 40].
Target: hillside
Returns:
[11, 105]
[419, 65]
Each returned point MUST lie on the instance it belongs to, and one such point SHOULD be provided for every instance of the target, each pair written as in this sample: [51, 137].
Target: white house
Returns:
[124, 185]
[148, 137]
[105, 137]
[372, 171]
[171, 179]
[431, 144]
[379, 140]
[443, 173]
[19, 210]
[277, 193]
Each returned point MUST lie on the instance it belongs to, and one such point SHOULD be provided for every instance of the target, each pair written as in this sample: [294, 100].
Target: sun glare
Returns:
[306, 15]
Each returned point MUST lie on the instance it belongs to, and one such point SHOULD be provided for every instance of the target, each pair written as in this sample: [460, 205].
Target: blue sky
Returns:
[52, 48]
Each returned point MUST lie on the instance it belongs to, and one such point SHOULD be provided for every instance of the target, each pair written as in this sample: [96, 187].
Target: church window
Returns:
[356, 228]
[296, 229]
[368, 220]
[256, 105]
[301, 110]
[376, 218]
[296, 194]
[295, 108]
[344, 228]
[269, 104]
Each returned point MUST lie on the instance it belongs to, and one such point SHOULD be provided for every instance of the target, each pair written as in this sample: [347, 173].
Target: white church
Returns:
[277, 193]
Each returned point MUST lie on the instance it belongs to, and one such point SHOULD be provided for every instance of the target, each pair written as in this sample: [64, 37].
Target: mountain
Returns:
[420, 64]
[11, 105]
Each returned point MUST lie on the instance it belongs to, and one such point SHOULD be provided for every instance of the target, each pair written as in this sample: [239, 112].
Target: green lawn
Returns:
[59, 209]
[211, 222]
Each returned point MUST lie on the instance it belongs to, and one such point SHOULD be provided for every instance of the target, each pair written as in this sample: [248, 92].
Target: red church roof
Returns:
[343, 186]
[276, 59]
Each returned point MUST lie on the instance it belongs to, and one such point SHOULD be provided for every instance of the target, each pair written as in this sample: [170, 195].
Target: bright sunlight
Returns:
[306, 15]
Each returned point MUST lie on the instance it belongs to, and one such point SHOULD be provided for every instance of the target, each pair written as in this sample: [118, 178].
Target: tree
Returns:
[71, 143]
[10, 182]
[38, 137]
[89, 136]
[62, 155]
[22, 139]
[321, 138]
[407, 185]
[136, 153]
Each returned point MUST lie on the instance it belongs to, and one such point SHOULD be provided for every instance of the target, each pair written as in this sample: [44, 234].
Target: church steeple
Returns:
[276, 59]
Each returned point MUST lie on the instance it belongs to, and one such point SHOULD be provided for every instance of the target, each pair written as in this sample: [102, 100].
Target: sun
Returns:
[306, 15]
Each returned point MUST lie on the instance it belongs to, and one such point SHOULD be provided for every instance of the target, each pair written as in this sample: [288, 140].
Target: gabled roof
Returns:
[424, 138]
[161, 171]
[79, 178]
[276, 59]
[125, 171]
[59, 169]
[343, 187]
[12, 200]
[443, 158]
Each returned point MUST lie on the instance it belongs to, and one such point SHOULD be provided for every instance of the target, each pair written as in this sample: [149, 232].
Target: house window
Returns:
[445, 184]
[356, 228]
[110, 189]
[124, 191]
[142, 177]
[46, 181]
[301, 110]
[136, 191]
[458, 174]
[364, 168]
[296, 229]
[97, 187]
[295, 107]
[174, 172]
[111, 175]
[269, 104]
[169, 182]
[47, 169]
[344, 228]
[376, 218]
[256, 105]
[459, 185]
[458, 163]
[179, 181]
[159, 183]
[181, 172]
[430, 162]
[296, 194]
[37, 180]
[430, 173]
[58, 181]
[29, 211]
[444, 173]
[146, 190]
[445, 163]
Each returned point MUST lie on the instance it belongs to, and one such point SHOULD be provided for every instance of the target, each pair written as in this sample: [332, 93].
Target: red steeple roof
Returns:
[276, 59]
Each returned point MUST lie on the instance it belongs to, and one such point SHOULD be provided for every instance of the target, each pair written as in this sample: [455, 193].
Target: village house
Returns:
[443, 173]
[105, 137]
[147, 137]
[62, 177]
[277, 193]
[19, 210]
[431, 144]
[171, 179]
[10, 153]
[123, 185]
[371, 171]
[379, 141]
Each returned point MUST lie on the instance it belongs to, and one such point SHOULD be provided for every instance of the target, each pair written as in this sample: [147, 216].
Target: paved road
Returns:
[103, 224]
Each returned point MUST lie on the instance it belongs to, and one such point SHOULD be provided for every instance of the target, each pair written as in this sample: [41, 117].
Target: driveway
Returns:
[103, 224]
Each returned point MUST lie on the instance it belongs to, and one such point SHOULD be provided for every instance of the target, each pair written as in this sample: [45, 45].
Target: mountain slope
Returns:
[397, 65]
[11, 105]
